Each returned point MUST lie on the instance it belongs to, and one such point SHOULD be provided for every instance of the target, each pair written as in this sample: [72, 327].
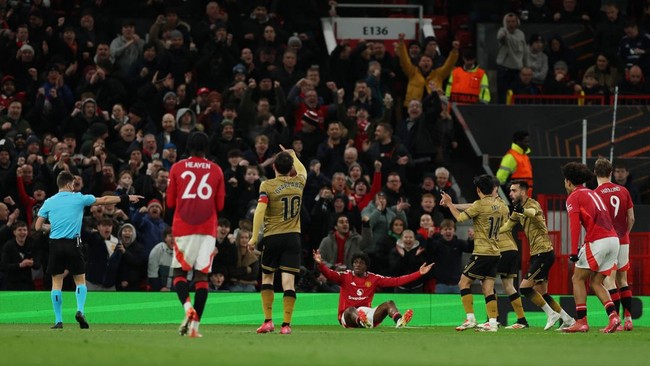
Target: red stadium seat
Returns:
[460, 21]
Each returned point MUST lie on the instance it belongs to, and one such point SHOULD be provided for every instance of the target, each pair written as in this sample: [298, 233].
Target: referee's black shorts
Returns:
[66, 254]
[281, 251]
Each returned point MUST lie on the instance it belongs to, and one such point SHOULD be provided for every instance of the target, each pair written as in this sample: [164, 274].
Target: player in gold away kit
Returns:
[528, 213]
[278, 208]
[488, 214]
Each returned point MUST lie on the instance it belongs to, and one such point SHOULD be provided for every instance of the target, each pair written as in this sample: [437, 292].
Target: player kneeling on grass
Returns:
[358, 287]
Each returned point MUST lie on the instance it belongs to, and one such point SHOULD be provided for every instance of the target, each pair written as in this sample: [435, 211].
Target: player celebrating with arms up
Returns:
[197, 191]
[278, 209]
[597, 256]
[358, 287]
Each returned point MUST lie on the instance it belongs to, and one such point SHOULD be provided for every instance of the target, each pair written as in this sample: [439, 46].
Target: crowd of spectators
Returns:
[87, 88]
[621, 44]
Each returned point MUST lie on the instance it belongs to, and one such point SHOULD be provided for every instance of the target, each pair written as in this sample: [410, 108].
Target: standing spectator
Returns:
[425, 78]
[570, 13]
[103, 257]
[388, 150]
[512, 49]
[536, 59]
[610, 30]
[149, 223]
[444, 185]
[447, 252]
[244, 272]
[538, 12]
[197, 192]
[407, 255]
[622, 177]
[14, 121]
[159, 265]
[338, 248]
[126, 48]
[64, 210]
[18, 258]
[131, 274]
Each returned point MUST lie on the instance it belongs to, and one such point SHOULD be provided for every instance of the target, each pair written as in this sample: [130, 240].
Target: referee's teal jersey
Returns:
[65, 211]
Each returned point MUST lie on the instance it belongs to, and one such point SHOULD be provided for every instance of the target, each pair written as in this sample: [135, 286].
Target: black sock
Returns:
[182, 290]
[200, 298]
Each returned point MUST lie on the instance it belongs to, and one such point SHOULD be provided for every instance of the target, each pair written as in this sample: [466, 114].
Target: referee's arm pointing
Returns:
[111, 200]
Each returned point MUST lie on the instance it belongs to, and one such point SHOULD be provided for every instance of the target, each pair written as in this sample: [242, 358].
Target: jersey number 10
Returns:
[290, 207]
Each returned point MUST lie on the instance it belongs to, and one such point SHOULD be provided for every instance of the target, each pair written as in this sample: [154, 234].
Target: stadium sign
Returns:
[375, 28]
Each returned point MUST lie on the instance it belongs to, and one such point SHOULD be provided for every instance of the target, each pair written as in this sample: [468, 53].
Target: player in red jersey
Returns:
[358, 288]
[619, 204]
[196, 191]
[597, 256]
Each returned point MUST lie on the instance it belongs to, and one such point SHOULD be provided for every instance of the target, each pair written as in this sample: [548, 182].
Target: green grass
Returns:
[111, 344]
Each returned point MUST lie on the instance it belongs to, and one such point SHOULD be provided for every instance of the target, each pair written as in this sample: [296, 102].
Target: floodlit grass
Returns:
[36, 344]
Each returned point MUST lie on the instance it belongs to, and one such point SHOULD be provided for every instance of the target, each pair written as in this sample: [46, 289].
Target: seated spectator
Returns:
[560, 82]
[217, 282]
[634, 83]
[159, 269]
[606, 74]
[591, 87]
[524, 84]
[243, 276]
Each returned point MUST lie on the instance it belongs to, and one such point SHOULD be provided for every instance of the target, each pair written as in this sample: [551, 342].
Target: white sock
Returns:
[187, 305]
[548, 310]
[470, 317]
[565, 316]
[627, 318]
[493, 322]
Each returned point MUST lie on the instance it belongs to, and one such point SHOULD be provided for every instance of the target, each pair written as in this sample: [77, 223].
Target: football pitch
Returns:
[159, 344]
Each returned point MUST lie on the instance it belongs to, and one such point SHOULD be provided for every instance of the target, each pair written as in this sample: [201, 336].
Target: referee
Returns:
[65, 212]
